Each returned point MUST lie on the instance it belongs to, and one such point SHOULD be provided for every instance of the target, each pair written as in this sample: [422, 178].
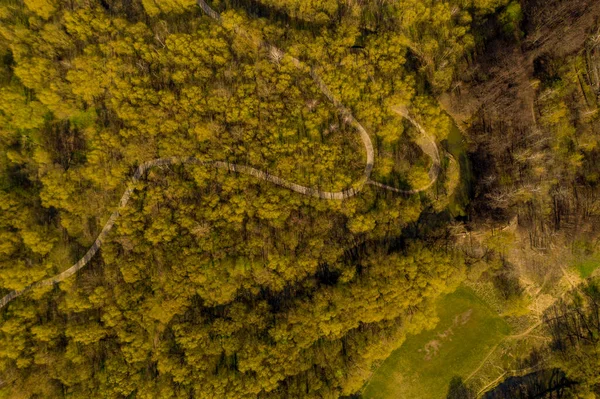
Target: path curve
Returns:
[428, 145]
[426, 142]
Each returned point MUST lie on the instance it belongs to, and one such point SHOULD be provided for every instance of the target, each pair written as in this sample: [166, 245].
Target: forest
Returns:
[269, 198]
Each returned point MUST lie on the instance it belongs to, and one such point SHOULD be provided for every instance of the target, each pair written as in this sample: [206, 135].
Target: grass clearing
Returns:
[587, 266]
[424, 365]
[456, 146]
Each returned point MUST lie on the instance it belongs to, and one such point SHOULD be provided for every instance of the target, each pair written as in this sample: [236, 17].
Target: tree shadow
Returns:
[279, 15]
[458, 390]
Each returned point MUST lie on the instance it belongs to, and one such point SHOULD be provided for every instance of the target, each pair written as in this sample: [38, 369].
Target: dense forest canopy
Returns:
[220, 284]
[215, 284]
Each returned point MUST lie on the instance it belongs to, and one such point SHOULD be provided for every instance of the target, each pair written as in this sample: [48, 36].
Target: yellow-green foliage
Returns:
[155, 7]
[211, 283]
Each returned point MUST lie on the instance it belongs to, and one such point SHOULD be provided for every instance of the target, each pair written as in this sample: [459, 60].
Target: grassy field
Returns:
[587, 266]
[423, 367]
[456, 146]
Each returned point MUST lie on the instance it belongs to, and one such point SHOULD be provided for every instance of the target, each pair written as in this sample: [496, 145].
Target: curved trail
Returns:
[426, 142]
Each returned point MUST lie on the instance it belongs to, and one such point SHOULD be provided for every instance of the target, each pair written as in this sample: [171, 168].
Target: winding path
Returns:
[425, 141]
[427, 144]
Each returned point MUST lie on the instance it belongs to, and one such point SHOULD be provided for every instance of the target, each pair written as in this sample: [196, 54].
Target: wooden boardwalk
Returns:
[426, 142]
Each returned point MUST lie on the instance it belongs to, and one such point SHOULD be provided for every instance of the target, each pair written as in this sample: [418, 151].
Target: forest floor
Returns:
[507, 94]
[426, 363]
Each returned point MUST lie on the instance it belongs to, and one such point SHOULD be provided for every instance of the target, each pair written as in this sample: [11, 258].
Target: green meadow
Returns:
[424, 365]
[587, 266]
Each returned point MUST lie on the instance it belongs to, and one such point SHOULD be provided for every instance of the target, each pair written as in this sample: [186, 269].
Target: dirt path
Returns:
[426, 142]
[521, 335]
[509, 337]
